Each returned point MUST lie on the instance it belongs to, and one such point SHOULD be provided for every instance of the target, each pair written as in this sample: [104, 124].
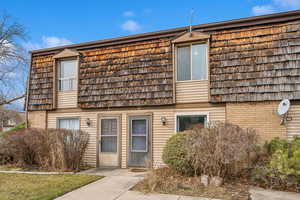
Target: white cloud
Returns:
[53, 41]
[11, 74]
[128, 14]
[288, 4]
[32, 46]
[131, 26]
[47, 42]
[275, 6]
[262, 10]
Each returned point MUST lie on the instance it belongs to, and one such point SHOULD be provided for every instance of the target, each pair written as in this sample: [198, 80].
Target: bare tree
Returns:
[13, 61]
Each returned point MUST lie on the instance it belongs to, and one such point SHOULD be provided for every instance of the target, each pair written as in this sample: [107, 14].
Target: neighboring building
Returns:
[10, 118]
[132, 93]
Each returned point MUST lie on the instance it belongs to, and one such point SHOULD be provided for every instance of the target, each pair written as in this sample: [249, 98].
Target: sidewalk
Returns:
[116, 186]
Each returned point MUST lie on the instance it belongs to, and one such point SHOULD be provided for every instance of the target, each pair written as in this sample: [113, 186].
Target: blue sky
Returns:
[59, 22]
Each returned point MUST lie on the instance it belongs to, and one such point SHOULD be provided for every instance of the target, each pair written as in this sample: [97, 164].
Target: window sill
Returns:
[67, 91]
[188, 81]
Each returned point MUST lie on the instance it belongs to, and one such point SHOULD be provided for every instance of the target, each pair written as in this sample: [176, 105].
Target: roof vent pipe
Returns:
[191, 21]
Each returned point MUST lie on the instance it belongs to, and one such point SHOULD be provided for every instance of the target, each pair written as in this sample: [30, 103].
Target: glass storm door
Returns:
[139, 141]
[109, 142]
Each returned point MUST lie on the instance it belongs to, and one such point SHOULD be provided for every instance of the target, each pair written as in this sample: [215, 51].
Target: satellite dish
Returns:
[283, 107]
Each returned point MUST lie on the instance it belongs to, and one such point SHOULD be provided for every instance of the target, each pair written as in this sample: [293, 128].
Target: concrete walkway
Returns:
[262, 194]
[116, 186]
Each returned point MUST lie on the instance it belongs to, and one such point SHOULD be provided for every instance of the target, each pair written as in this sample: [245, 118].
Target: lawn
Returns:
[40, 187]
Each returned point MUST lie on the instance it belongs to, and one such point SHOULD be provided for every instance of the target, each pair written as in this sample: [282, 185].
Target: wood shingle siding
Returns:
[137, 74]
[256, 64]
[41, 83]
[250, 59]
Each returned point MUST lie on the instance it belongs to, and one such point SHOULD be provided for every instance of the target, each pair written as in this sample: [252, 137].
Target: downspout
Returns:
[27, 92]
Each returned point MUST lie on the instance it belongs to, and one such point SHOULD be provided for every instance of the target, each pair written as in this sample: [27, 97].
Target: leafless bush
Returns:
[220, 149]
[47, 149]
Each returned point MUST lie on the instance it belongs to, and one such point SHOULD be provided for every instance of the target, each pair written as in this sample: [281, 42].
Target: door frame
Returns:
[150, 136]
[119, 145]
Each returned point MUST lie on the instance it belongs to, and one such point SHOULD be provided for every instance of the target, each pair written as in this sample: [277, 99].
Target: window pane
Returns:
[199, 62]
[139, 126]
[189, 122]
[67, 75]
[139, 143]
[69, 124]
[67, 84]
[68, 68]
[183, 63]
[109, 144]
[109, 127]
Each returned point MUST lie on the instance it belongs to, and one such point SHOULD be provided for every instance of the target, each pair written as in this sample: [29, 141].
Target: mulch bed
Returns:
[168, 181]
[245, 178]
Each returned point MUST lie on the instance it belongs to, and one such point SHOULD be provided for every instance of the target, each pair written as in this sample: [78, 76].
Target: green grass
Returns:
[40, 187]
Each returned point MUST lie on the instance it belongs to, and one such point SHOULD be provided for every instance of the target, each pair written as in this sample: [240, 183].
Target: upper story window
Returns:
[67, 75]
[192, 62]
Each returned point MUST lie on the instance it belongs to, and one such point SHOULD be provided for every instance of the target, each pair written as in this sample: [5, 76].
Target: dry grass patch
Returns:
[40, 187]
[169, 181]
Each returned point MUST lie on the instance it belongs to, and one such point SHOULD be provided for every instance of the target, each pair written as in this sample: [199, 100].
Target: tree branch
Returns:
[11, 100]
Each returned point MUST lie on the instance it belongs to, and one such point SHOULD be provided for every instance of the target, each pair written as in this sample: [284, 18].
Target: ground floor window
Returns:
[189, 121]
[69, 123]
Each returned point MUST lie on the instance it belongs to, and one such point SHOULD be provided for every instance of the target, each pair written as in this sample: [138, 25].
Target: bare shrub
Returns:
[169, 181]
[220, 148]
[47, 149]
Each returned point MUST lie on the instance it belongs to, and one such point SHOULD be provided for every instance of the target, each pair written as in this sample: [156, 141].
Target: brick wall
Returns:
[261, 116]
[37, 119]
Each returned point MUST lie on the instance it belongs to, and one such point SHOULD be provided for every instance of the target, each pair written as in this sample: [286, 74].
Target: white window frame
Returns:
[191, 113]
[59, 79]
[67, 118]
[147, 134]
[190, 45]
[100, 125]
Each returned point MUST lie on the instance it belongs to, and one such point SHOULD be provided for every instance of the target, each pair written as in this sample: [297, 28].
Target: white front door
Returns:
[109, 142]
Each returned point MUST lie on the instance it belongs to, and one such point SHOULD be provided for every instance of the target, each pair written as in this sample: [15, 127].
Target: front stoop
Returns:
[263, 194]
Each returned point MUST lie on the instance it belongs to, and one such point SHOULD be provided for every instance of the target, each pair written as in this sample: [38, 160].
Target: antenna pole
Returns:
[191, 20]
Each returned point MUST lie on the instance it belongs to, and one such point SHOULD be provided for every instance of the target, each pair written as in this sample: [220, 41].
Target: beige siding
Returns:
[124, 141]
[191, 91]
[160, 133]
[92, 130]
[293, 126]
[67, 99]
[37, 119]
